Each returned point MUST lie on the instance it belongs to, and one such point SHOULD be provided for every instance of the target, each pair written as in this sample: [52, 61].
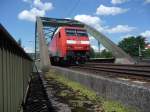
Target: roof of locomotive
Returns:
[69, 27]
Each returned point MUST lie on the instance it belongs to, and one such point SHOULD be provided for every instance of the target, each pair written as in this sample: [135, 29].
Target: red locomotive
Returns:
[69, 45]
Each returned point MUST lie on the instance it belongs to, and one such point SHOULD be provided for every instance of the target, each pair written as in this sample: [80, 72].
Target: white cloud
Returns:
[147, 1]
[91, 38]
[38, 9]
[146, 33]
[96, 22]
[96, 49]
[29, 49]
[126, 36]
[102, 47]
[43, 6]
[26, 0]
[104, 10]
[118, 1]
[93, 21]
[30, 15]
[94, 44]
[121, 29]
[93, 41]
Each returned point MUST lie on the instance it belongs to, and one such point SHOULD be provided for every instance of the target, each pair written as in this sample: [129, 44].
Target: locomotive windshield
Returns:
[71, 32]
[75, 32]
[81, 33]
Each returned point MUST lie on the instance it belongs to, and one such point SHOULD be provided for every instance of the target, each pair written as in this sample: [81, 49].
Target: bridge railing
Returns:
[15, 69]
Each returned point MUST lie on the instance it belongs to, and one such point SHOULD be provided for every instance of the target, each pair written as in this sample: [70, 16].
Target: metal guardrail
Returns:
[15, 68]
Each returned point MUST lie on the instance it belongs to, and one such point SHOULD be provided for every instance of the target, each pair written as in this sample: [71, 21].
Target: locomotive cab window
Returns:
[70, 32]
[82, 33]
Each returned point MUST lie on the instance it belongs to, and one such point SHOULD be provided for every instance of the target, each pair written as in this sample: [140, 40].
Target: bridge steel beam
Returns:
[121, 56]
[44, 57]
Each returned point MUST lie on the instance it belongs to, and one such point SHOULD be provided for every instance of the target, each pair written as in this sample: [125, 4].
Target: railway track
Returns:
[141, 72]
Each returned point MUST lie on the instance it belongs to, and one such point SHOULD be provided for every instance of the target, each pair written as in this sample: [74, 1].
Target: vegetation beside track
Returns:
[80, 94]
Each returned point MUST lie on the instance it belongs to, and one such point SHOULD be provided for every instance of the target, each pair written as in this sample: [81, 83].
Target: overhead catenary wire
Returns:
[73, 8]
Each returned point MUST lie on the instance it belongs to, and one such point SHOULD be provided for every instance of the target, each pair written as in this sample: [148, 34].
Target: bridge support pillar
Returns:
[44, 57]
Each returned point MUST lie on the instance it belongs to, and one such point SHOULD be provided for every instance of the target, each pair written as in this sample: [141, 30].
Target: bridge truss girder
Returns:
[46, 27]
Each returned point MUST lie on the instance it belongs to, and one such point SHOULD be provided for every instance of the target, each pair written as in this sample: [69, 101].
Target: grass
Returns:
[109, 106]
[113, 106]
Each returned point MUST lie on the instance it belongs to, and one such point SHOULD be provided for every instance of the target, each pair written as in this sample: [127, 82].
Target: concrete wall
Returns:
[130, 94]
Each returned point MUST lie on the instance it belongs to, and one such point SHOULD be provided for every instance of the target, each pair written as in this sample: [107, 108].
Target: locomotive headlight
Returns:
[71, 42]
[85, 42]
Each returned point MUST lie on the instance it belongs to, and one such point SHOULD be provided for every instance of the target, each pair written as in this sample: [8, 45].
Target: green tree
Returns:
[103, 54]
[146, 53]
[106, 54]
[92, 53]
[132, 44]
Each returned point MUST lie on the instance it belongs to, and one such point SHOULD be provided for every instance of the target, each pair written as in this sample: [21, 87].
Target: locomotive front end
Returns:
[78, 45]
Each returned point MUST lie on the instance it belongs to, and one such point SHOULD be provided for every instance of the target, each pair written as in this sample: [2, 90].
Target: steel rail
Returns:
[122, 71]
[109, 64]
[129, 68]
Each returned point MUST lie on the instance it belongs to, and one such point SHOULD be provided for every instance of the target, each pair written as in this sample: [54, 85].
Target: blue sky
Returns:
[115, 18]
